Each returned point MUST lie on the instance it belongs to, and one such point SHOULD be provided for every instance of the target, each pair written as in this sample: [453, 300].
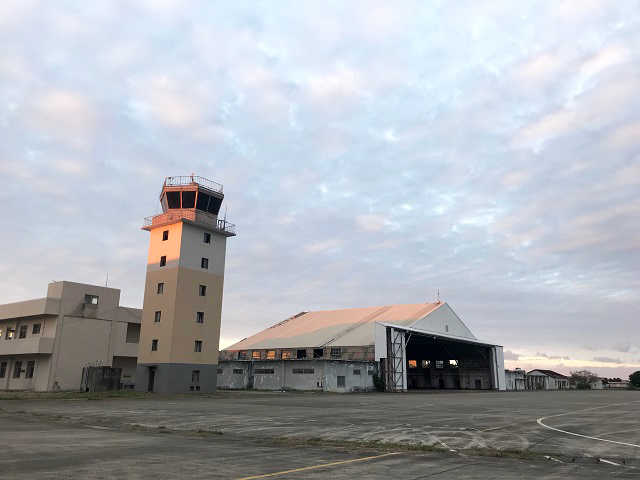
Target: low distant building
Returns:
[46, 342]
[621, 384]
[415, 346]
[596, 384]
[515, 379]
[546, 380]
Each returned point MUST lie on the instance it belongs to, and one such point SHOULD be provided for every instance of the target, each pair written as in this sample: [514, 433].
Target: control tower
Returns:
[181, 313]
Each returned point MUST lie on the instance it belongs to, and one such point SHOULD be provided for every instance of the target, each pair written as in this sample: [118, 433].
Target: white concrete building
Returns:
[45, 343]
[515, 379]
[546, 380]
[416, 346]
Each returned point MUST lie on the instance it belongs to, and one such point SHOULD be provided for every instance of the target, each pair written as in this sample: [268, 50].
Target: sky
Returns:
[372, 153]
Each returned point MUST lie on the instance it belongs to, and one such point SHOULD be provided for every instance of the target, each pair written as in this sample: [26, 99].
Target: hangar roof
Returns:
[340, 328]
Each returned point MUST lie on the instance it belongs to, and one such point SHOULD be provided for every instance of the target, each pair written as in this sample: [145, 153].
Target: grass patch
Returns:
[408, 447]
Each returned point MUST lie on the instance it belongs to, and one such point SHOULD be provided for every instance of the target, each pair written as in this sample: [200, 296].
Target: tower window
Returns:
[91, 299]
[199, 317]
[3, 369]
[195, 376]
[202, 290]
[157, 316]
[36, 329]
[31, 366]
[154, 345]
[204, 263]
[163, 260]
[23, 331]
[165, 235]
[160, 288]
[198, 346]
[207, 237]
[17, 369]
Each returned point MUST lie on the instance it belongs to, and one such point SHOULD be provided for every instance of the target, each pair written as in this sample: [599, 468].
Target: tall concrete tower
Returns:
[180, 331]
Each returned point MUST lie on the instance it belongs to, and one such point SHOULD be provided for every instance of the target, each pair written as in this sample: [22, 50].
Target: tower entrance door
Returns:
[152, 378]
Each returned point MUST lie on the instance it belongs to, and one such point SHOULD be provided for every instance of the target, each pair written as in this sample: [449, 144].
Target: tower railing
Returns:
[193, 215]
[183, 180]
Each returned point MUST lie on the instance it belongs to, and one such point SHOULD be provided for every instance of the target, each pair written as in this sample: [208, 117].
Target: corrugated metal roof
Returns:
[340, 328]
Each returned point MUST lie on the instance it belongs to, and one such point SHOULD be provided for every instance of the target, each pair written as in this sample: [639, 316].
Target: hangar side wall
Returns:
[315, 375]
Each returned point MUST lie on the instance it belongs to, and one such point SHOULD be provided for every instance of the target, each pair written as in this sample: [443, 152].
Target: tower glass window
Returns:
[31, 366]
[204, 263]
[23, 331]
[198, 346]
[36, 329]
[202, 290]
[163, 260]
[207, 237]
[195, 376]
[160, 288]
[17, 369]
[154, 345]
[3, 369]
[157, 316]
[165, 235]
[199, 317]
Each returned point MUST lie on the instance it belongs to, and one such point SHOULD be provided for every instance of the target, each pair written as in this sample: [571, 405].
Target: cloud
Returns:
[552, 357]
[607, 360]
[510, 356]
[623, 347]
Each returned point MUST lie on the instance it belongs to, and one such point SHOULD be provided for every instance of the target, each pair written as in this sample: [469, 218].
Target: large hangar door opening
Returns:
[434, 362]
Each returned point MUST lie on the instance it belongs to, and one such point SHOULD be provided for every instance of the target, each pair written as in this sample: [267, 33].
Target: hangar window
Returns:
[439, 363]
[453, 363]
[335, 353]
[371, 372]
[318, 353]
[255, 354]
[242, 355]
[238, 370]
[219, 371]
[356, 372]
[286, 354]
[426, 363]
[264, 371]
[271, 354]
[303, 370]
[413, 364]
[446, 327]
[341, 381]
[301, 354]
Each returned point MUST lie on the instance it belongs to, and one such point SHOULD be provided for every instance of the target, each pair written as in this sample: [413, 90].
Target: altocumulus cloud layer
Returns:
[372, 153]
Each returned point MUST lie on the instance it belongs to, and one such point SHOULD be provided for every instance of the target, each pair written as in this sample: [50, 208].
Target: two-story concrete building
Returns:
[45, 342]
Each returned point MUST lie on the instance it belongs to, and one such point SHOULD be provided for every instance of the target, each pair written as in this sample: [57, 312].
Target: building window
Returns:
[371, 372]
[271, 354]
[198, 346]
[413, 364]
[163, 260]
[204, 263]
[31, 366]
[91, 299]
[157, 316]
[199, 317]
[36, 329]
[303, 370]
[238, 371]
[10, 333]
[160, 288]
[453, 363]
[202, 290]
[335, 353]
[219, 371]
[286, 355]
[207, 237]
[318, 353]
[263, 371]
[341, 381]
[242, 355]
[3, 369]
[165, 235]
[356, 372]
[17, 369]
[301, 354]
[23, 331]
[446, 328]
[154, 345]
[255, 354]
[426, 363]
[195, 376]
[439, 363]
